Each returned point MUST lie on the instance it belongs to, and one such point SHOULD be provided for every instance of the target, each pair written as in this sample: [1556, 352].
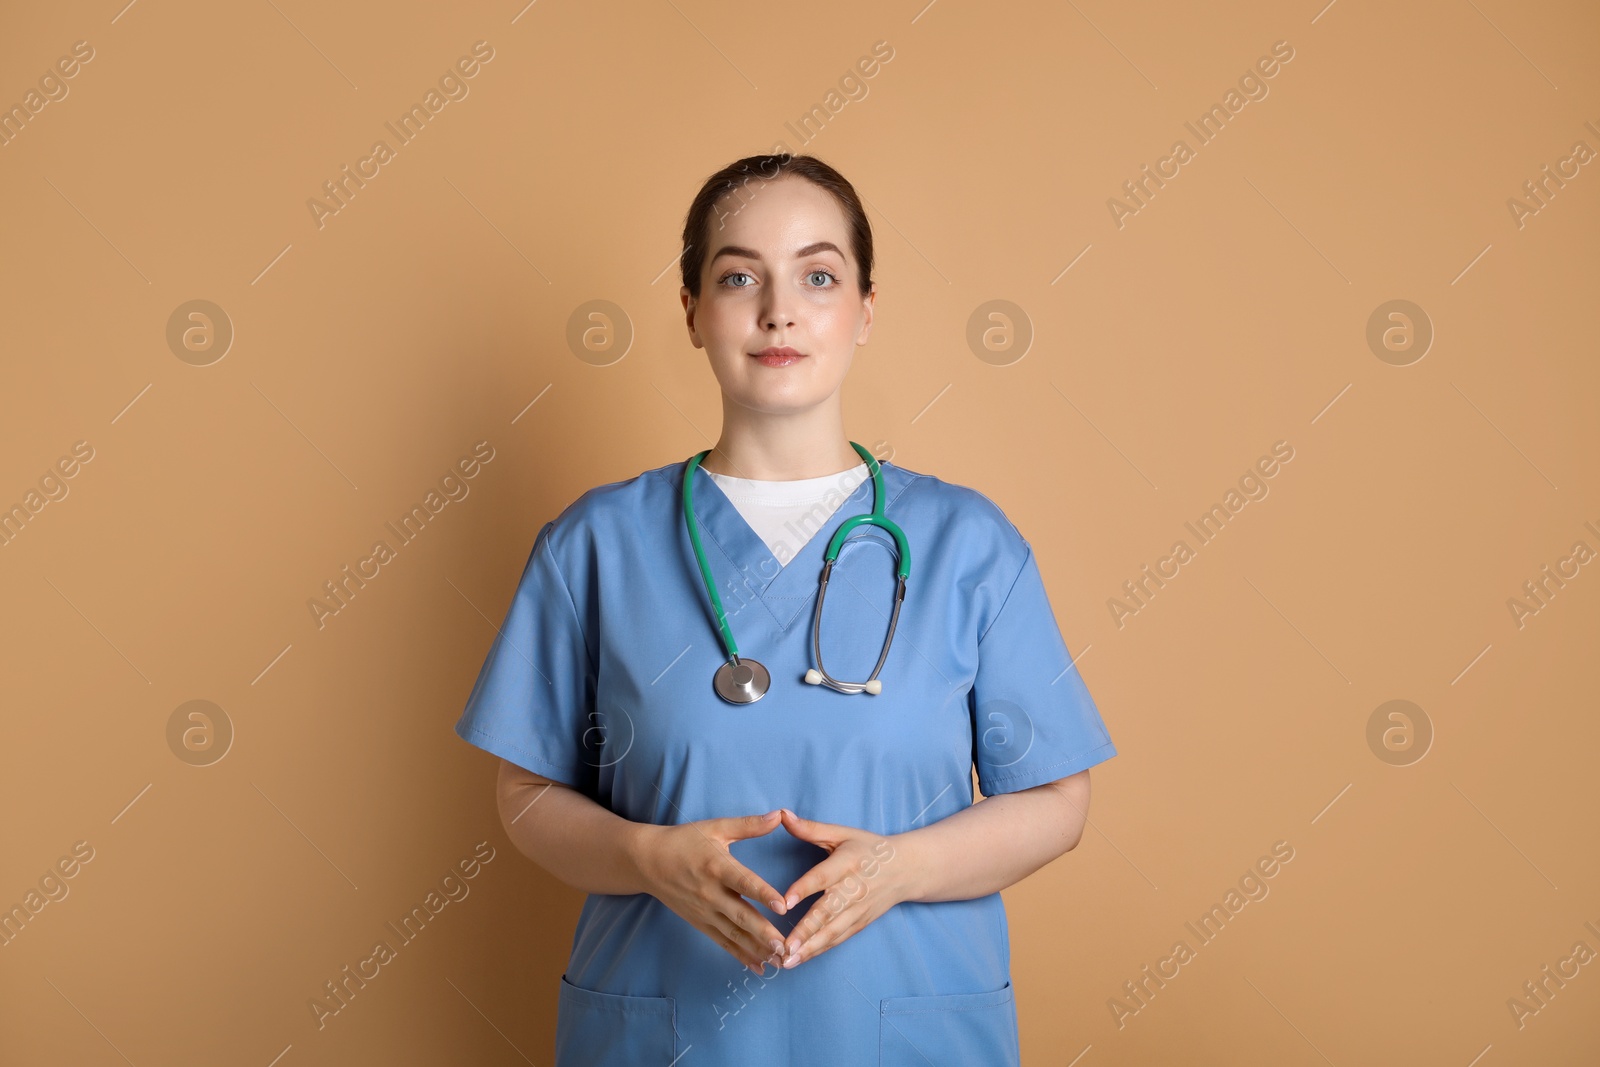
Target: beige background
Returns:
[1229, 313]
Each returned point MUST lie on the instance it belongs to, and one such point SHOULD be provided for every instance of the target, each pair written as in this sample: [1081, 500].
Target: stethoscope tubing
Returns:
[816, 637]
[700, 556]
[875, 518]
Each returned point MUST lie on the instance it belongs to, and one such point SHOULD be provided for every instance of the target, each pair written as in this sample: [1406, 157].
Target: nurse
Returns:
[802, 878]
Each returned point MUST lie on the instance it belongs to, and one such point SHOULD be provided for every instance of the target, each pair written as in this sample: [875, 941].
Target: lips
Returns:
[775, 351]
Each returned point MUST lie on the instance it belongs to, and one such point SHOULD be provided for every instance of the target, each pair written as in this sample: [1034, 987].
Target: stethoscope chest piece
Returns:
[744, 682]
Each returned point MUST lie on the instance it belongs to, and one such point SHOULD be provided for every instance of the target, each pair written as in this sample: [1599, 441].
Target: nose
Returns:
[776, 313]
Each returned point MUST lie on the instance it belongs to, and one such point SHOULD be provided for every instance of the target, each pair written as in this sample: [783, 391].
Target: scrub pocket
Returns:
[595, 1029]
[955, 1028]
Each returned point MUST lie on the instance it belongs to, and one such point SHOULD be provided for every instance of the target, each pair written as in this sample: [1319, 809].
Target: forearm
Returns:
[581, 842]
[996, 842]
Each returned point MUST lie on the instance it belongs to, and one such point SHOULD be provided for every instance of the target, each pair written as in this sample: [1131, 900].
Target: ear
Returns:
[866, 313]
[689, 307]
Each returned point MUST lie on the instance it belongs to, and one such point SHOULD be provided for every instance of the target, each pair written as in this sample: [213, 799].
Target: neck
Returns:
[756, 444]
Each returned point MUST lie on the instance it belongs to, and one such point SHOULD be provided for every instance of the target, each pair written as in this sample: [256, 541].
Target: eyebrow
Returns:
[747, 253]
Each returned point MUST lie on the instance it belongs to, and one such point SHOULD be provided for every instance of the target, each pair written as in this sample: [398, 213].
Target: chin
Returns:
[779, 405]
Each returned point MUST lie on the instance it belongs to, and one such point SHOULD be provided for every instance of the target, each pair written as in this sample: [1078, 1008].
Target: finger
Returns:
[816, 917]
[747, 883]
[737, 952]
[753, 925]
[838, 899]
[837, 915]
[741, 943]
[838, 930]
[738, 827]
[817, 879]
[738, 912]
[732, 948]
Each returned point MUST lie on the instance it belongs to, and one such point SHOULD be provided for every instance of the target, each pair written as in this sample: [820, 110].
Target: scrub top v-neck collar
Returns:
[744, 556]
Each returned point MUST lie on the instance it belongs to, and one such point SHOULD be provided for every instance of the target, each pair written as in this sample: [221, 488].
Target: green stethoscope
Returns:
[744, 680]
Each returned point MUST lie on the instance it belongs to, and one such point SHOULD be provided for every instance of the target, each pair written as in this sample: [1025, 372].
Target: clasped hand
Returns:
[690, 869]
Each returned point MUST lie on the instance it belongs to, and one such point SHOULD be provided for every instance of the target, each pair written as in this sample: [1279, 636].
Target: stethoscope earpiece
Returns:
[871, 685]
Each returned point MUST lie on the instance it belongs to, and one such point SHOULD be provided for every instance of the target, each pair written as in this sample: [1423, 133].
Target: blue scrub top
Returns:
[600, 678]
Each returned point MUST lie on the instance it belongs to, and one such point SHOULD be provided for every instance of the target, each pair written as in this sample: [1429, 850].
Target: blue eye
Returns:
[826, 274]
[731, 274]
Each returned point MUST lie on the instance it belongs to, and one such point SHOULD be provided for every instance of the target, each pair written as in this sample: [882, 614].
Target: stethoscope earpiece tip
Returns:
[813, 677]
[874, 686]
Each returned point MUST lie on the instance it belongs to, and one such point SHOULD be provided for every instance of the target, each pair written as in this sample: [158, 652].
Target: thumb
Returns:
[739, 827]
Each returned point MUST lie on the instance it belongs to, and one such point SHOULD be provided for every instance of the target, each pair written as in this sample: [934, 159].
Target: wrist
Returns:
[904, 858]
[638, 841]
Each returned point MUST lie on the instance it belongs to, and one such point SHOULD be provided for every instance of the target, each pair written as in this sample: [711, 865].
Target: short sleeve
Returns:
[1032, 716]
[532, 701]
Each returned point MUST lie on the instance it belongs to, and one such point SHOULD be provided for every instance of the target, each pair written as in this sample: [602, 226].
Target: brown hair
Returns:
[697, 224]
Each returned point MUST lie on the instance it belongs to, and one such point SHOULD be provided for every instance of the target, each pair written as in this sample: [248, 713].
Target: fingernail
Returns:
[776, 905]
[789, 813]
[776, 946]
[791, 961]
[794, 898]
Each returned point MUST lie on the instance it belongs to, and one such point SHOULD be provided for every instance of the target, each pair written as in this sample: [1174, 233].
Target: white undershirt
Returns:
[785, 514]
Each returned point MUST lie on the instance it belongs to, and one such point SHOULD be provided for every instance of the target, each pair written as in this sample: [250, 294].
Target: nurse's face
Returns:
[779, 274]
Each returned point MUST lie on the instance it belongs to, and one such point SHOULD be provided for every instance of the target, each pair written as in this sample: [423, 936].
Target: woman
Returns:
[782, 872]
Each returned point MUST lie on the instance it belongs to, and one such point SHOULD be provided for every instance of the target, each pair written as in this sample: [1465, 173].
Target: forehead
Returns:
[777, 217]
